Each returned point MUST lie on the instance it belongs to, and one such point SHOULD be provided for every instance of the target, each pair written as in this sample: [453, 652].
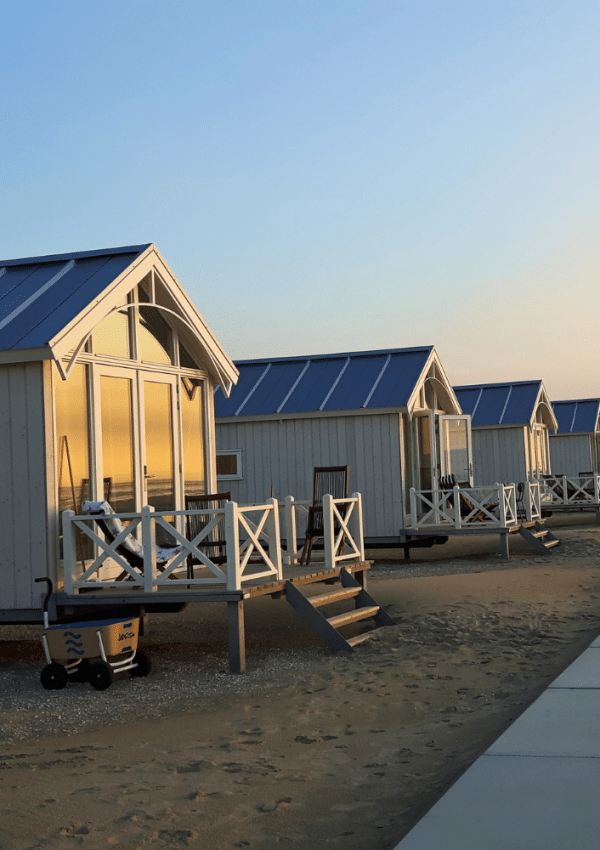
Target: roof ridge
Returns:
[76, 255]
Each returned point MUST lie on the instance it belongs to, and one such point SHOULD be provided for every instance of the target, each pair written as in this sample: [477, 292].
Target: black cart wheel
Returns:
[54, 677]
[81, 673]
[144, 665]
[101, 675]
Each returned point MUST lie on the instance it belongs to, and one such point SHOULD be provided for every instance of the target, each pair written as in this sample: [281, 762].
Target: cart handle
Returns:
[46, 599]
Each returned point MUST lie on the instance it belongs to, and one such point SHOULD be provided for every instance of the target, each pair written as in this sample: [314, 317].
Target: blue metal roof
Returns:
[499, 404]
[577, 417]
[361, 379]
[39, 296]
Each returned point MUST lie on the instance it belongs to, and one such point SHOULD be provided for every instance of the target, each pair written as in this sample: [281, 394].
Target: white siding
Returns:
[499, 454]
[23, 527]
[572, 454]
[282, 453]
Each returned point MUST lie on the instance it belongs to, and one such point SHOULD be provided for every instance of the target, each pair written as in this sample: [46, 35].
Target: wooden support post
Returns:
[237, 636]
[504, 546]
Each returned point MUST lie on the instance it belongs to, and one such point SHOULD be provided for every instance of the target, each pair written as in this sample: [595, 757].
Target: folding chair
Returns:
[130, 548]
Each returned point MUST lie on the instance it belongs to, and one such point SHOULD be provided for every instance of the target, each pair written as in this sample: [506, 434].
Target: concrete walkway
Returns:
[538, 786]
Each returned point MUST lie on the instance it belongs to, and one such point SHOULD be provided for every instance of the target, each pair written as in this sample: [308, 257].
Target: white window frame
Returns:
[238, 475]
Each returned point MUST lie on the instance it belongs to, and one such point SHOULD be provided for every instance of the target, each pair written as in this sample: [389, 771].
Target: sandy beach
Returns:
[307, 749]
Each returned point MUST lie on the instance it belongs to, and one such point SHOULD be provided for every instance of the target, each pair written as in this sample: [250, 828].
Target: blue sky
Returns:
[326, 176]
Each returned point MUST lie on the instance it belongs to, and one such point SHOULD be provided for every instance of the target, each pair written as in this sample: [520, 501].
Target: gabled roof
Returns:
[39, 296]
[577, 417]
[49, 305]
[504, 404]
[326, 382]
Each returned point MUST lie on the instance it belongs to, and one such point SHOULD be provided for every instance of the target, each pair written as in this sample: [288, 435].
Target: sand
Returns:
[307, 749]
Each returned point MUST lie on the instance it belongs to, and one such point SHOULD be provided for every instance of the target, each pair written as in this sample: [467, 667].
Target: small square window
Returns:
[229, 464]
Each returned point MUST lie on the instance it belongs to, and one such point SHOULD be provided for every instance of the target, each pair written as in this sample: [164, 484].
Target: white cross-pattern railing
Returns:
[492, 506]
[578, 490]
[342, 518]
[343, 530]
[531, 507]
[252, 544]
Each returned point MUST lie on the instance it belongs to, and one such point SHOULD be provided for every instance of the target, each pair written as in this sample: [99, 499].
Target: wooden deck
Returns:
[111, 601]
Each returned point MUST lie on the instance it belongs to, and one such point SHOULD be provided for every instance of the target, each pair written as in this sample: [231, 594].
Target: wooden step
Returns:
[353, 616]
[551, 543]
[349, 589]
[354, 641]
[333, 596]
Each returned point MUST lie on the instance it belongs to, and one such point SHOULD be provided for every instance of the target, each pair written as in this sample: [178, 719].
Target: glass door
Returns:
[117, 443]
[425, 451]
[158, 404]
[455, 448]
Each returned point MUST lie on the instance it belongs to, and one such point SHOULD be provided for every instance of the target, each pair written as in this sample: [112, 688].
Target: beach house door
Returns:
[455, 449]
[137, 449]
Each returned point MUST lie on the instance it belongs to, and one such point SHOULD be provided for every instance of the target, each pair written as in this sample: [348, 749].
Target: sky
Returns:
[326, 175]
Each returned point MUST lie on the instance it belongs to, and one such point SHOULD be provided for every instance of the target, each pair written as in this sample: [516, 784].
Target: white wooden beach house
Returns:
[107, 372]
[510, 423]
[575, 443]
[575, 454]
[391, 415]
[107, 380]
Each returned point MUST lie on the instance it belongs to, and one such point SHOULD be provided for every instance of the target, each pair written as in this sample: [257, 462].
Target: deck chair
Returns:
[332, 480]
[215, 545]
[129, 548]
[448, 482]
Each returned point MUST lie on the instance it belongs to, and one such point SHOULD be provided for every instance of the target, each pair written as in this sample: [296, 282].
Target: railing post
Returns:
[413, 508]
[272, 525]
[149, 544]
[328, 531]
[289, 514]
[232, 540]
[457, 516]
[597, 488]
[356, 526]
[501, 503]
[527, 495]
[69, 551]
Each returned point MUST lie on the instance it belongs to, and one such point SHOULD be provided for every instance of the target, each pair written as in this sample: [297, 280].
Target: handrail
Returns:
[247, 537]
[252, 545]
[492, 506]
[579, 490]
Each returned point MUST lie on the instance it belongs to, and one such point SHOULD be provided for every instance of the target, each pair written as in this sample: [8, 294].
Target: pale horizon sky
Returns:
[326, 176]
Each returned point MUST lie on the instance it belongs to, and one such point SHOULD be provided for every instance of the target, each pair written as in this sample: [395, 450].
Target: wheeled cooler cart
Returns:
[91, 651]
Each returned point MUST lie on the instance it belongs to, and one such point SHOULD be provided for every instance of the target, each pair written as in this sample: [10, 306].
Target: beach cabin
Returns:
[575, 444]
[575, 454]
[390, 415]
[107, 375]
[107, 450]
[510, 424]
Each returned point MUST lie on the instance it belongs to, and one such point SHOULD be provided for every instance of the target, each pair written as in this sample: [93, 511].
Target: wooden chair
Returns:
[215, 545]
[332, 480]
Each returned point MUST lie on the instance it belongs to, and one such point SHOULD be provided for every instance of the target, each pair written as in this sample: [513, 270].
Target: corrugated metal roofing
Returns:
[499, 404]
[39, 296]
[577, 417]
[363, 379]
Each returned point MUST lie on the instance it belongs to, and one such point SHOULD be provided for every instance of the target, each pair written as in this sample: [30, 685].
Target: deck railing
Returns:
[252, 544]
[531, 506]
[342, 524]
[492, 506]
[576, 490]
[252, 541]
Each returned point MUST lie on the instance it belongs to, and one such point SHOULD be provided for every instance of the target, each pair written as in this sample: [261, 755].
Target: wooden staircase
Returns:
[347, 589]
[539, 537]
